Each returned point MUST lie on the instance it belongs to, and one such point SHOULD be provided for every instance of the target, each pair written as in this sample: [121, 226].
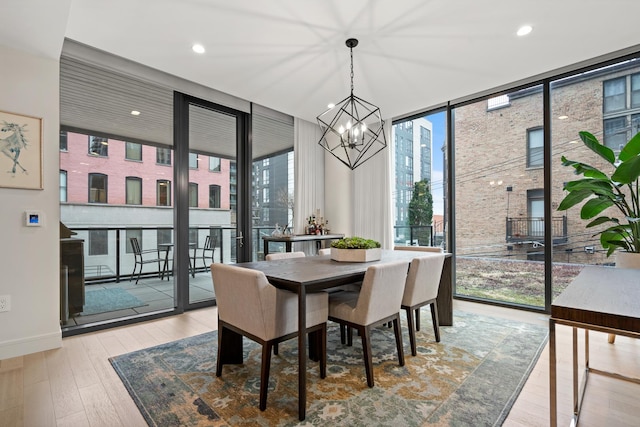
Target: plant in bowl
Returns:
[618, 189]
[355, 249]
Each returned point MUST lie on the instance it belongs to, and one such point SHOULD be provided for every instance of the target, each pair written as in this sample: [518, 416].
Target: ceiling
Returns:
[290, 55]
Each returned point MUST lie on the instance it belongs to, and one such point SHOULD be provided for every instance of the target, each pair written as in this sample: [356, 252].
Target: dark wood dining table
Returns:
[315, 273]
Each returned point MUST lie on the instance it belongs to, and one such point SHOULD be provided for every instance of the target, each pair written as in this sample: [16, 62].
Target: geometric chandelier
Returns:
[352, 130]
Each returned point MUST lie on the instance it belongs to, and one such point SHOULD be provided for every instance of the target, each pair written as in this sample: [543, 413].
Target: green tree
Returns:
[421, 211]
[421, 205]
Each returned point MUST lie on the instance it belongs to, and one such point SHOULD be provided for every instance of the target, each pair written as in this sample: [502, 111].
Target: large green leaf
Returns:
[602, 220]
[573, 198]
[596, 186]
[631, 148]
[584, 169]
[595, 146]
[627, 171]
[594, 207]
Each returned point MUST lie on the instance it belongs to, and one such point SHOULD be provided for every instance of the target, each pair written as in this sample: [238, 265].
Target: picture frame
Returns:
[21, 155]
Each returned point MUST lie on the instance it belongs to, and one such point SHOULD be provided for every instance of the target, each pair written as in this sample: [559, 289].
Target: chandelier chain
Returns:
[351, 50]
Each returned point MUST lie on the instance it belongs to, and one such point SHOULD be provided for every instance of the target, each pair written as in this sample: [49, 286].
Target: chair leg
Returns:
[343, 338]
[349, 336]
[398, 332]
[322, 345]
[275, 349]
[434, 319]
[264, 374]
[412, 331]
[220, 355]
[139, 273]
[417, 319]
[366, 352]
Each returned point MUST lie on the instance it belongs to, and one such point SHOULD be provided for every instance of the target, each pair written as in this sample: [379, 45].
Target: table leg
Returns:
[287, 246]
[265, 247]
[302, 353]
[553, 410]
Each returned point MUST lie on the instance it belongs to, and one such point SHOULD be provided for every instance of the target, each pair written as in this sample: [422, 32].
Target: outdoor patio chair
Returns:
[142, 257]
[378, 302]
[267, 315]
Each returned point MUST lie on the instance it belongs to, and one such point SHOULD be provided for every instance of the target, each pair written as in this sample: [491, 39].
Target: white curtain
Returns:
[309, 176]
[372, 199]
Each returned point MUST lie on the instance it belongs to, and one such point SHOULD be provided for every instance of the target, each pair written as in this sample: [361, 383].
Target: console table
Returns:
[603, 299]
[288, 240]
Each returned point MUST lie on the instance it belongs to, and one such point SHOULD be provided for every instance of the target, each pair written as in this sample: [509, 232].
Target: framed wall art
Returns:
[20, 151]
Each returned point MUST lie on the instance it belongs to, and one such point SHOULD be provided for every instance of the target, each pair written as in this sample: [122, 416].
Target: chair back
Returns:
[423, 279]
[419, 248]
[244, 298]
[210, 243]
[381, 292]
[284, 255]
[135, 246]
[325, 251]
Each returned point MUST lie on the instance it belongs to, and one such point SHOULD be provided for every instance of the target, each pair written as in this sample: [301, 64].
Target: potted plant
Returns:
[618, 189]
[355, 249]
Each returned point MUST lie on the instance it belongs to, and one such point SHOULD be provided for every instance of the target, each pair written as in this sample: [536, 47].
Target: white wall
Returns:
[29, 256]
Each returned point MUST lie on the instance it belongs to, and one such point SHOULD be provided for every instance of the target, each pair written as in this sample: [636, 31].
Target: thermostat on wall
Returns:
[33, 219]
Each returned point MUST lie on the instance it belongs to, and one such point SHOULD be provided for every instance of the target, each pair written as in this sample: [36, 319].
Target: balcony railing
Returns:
[525, 229]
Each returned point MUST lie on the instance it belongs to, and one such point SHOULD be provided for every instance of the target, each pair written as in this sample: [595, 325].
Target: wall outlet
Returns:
[5, 303]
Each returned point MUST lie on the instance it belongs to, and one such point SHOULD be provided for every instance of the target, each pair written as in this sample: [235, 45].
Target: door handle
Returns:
[240, 239]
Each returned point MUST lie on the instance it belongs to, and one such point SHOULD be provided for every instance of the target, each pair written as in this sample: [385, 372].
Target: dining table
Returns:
[316, 273]
[167, 247]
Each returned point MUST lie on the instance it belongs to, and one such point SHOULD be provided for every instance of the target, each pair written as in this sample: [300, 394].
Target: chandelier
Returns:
[352, 130]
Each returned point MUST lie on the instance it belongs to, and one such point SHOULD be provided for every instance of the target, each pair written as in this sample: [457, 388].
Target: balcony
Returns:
[531, 229]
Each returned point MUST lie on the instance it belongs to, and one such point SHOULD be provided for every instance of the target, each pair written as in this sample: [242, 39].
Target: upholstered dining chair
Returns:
[250, 306]
[283, 255]
[421, 288]
[435, 249]
[324, 251]
[378, 302]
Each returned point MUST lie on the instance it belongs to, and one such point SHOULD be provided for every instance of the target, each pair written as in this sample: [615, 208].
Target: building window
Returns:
[133, 190]
[535, 146]
[63, 186]
[98, 146]
[163, 156]
[265, 195]
[98, 242]
[214, 164]
[615, 132]
[163, 236]
[265, 215]
[535, 207]
[97, 188]
[193, 161]
[214, 196]
[615, 94]
[137, 233]
[635, 90]
[265, 176]
[193, 236]
[193, 195]
[63, 140]
[164, 192]
[133, 151]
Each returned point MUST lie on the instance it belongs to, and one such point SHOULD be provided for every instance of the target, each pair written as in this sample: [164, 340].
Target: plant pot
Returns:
[628, 260]
[356, 255]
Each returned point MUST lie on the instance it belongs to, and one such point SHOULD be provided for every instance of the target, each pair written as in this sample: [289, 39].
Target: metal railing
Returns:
[524, 229]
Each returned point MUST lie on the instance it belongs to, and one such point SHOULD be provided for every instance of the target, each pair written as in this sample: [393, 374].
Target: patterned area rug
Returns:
[471, 378]
[105, 300]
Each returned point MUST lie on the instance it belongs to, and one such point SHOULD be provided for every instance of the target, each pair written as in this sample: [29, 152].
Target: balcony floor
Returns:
[154, 293]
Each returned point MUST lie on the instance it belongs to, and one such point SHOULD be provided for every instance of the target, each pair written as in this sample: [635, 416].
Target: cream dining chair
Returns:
[377, 302]
[421, 288]
[250, 306]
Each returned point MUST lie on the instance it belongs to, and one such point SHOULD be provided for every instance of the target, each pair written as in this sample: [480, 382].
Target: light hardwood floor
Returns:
[76, 386]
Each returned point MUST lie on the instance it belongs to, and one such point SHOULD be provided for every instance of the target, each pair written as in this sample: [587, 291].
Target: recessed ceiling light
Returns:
[135, 112]
[524, 30]
[331, 105]
[563, 117]
[198, 48]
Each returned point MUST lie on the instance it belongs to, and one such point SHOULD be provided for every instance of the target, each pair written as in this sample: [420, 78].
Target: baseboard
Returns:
[34, 344]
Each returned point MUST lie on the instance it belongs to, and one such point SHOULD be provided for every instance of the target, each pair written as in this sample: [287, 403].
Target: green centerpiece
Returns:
[355, 249]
